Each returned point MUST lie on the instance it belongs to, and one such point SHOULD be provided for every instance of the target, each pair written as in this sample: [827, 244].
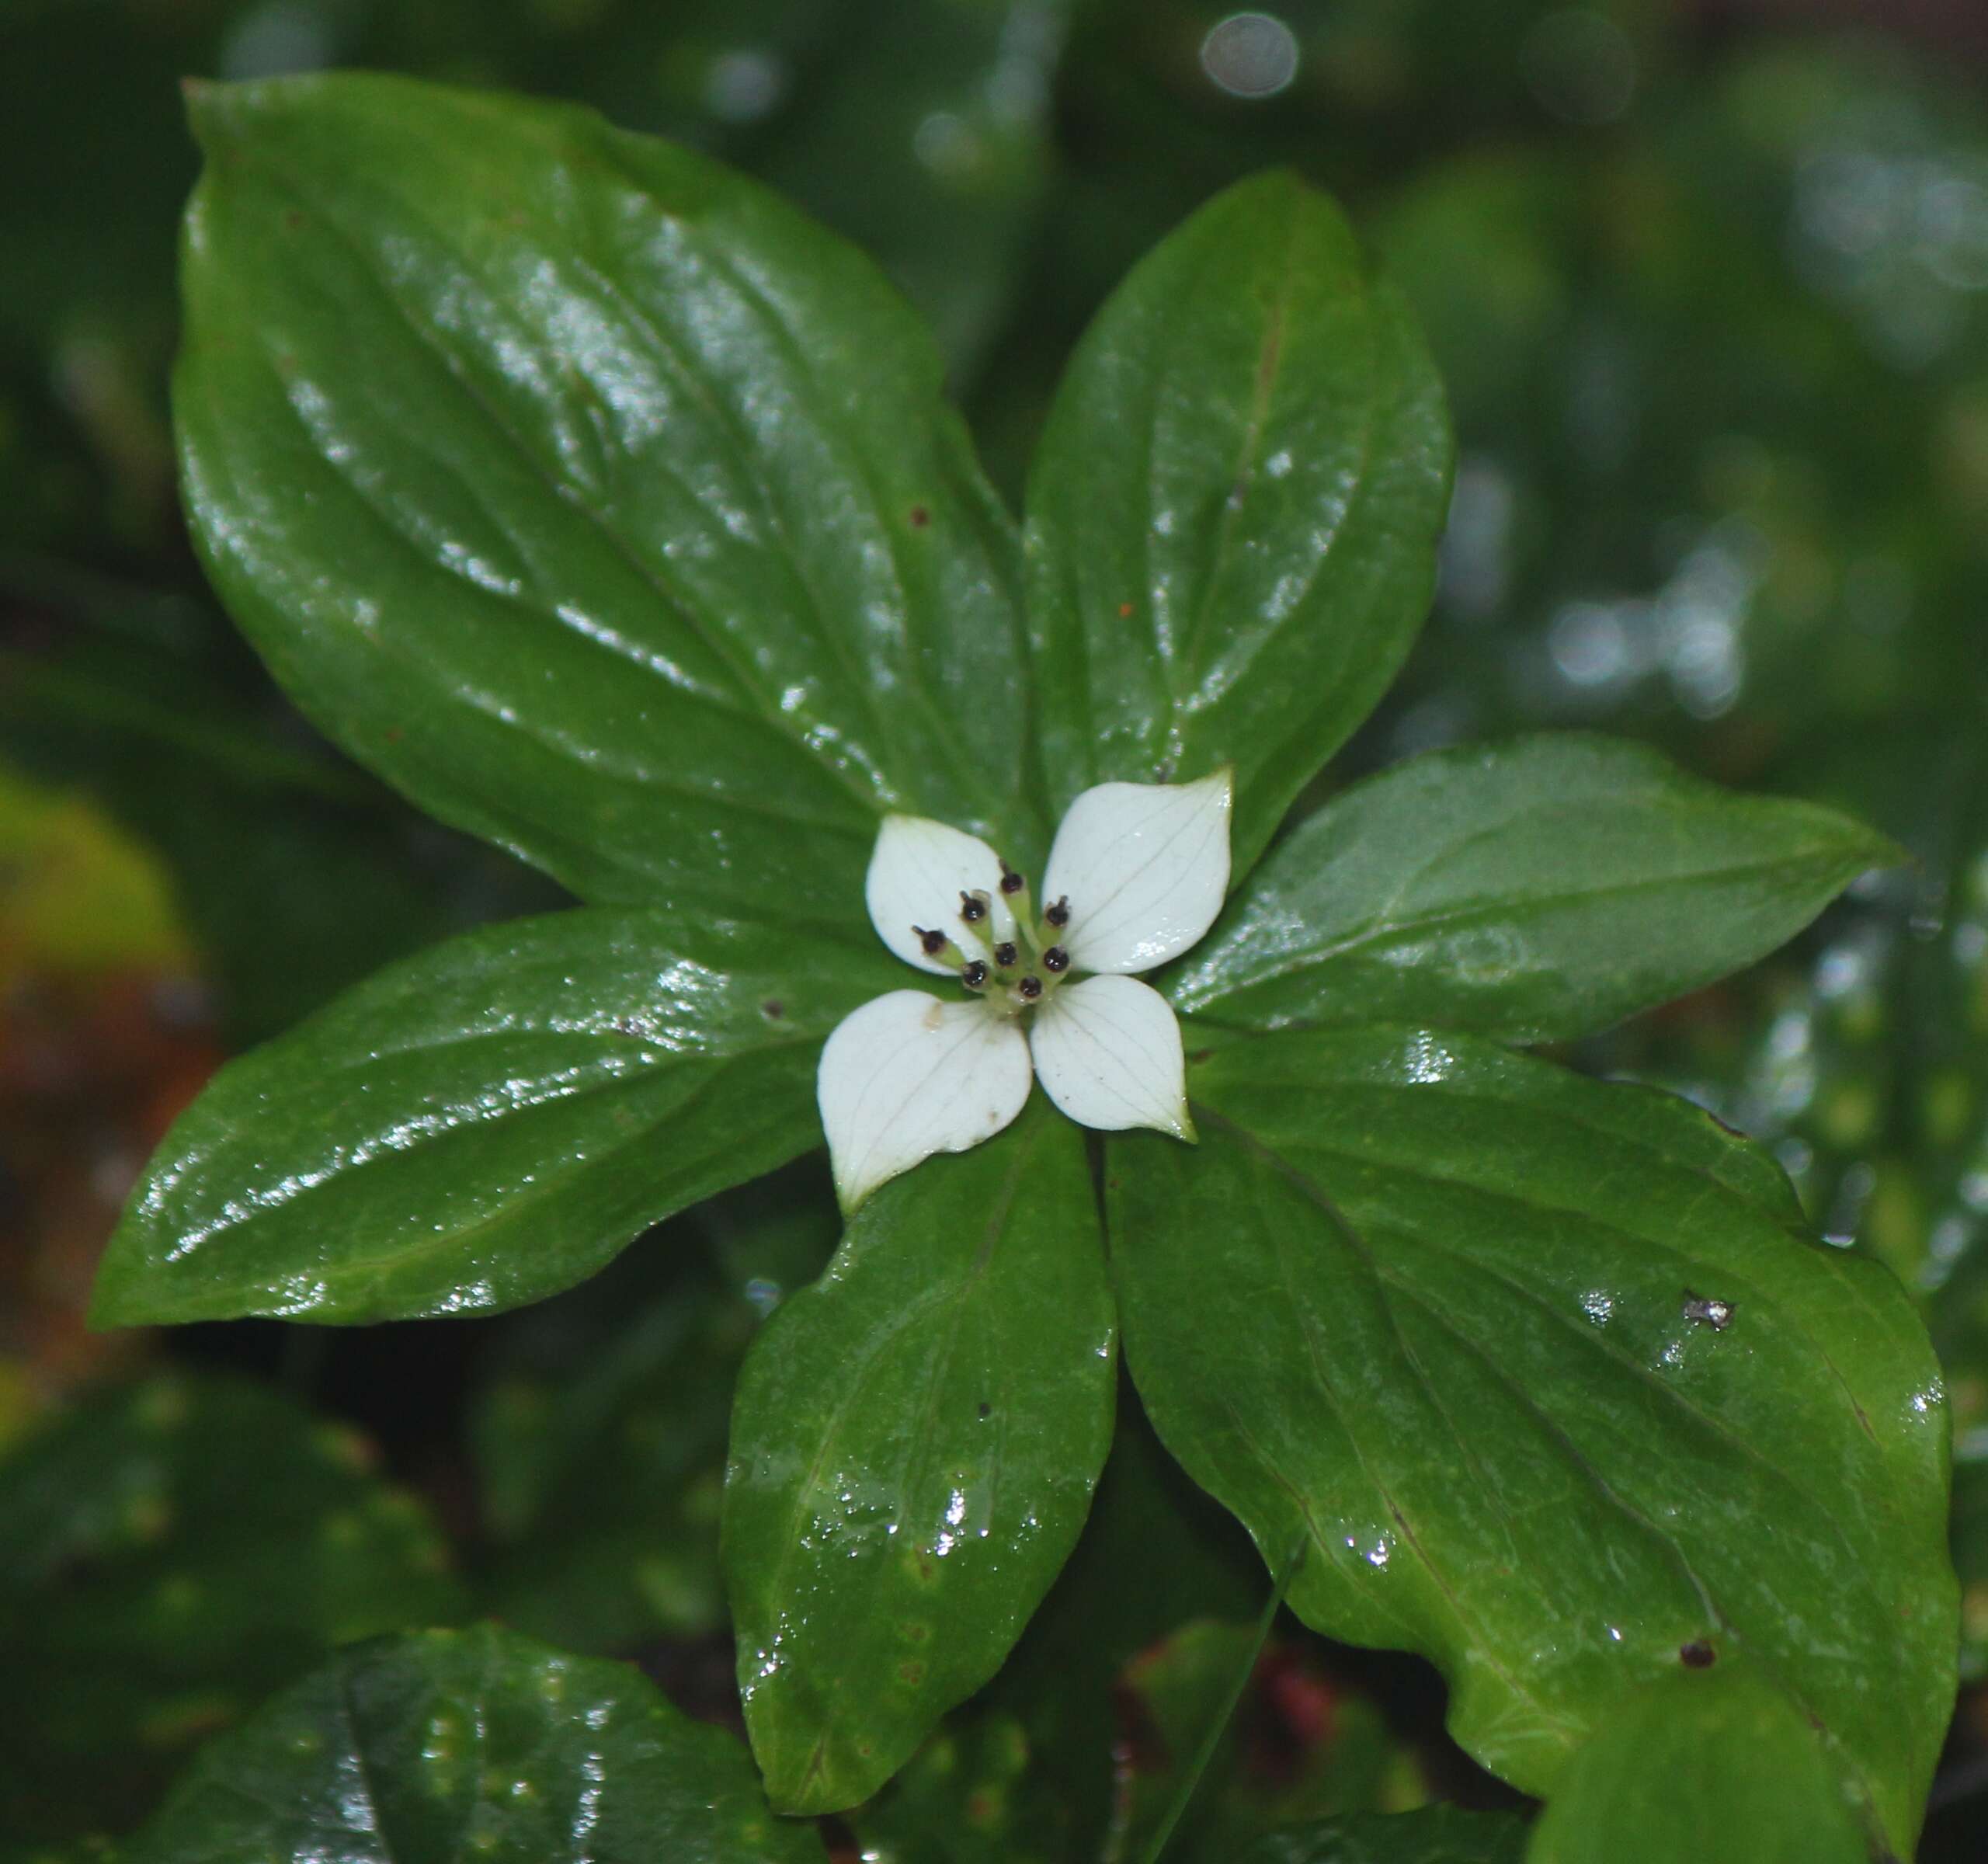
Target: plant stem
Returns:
[1184, 1793]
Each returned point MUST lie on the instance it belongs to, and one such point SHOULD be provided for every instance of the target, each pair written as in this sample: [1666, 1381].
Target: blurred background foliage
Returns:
[1708, 281]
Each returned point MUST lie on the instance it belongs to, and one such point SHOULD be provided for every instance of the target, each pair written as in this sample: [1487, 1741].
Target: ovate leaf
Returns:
[1554, 1385]
[475, 1744]
[913, 1449]
[1706, 1764]
[1233, 516]
[1536, 890]
[488, 1122]
[169, 1553]
[604, 504]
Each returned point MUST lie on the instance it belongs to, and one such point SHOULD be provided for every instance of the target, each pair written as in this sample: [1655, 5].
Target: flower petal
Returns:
[918, 871]
[1107, 1051]
[1145, 866]
[907, 1075]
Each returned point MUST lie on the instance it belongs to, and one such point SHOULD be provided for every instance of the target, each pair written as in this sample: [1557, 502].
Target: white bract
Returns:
[1136, 875]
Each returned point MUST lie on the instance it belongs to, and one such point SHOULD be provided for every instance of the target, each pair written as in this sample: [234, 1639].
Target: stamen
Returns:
[932, 942]
[1004, 955]
[1011, 883]
[974, 973]
[1058, 914]
[1056, 958]
[1030, 988]
[973, 907]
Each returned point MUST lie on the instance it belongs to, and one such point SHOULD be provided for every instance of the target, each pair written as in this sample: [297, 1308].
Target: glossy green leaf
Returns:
[1436, 1834]
[1438, 1308]
[914, 1447]
[597, 500]
[1706, 1764]
[488, 1122]
[1233, 514]
[169, 1553]
[476, 1743]
[1535, 890]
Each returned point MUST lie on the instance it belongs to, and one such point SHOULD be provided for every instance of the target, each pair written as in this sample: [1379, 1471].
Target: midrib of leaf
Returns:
[1269, 368]
[1374, 931]
[370, 1271]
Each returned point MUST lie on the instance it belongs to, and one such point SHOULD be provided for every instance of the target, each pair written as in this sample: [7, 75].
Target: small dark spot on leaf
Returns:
[293, 218]
[394, 734]
[773, 1009]
[986, 1409]
[1696, 1655]
[1199, 1056]
[920, 517]
[1124, 609]
[913, 1674]
[917, 1633]
[1708, 1311]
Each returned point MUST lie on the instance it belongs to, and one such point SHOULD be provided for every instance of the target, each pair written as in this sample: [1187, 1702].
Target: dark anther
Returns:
[1031, 988]
[1058, 914]
[1056, 958]
[974, 973]
[933, 942]
[1005, 955]
[973, 908]
[1696, 1655]
[1011, 881]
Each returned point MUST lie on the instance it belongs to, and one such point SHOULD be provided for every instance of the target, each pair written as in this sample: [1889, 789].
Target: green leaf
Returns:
[488, 1122]
[169, 1553]
[472, 1743]
[1433, 1305]
[1233, 514]
[1710, 1764]
[1436, 1834]
[1535, 891]
[915, 1443]
[594, 497]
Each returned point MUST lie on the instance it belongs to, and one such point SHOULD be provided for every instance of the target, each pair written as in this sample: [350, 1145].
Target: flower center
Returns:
[1020, 973]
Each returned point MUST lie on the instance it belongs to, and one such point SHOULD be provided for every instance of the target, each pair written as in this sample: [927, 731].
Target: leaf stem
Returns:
[1218, 1724]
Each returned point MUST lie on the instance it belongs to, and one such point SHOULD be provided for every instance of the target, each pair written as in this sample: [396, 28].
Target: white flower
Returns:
[1136, 875]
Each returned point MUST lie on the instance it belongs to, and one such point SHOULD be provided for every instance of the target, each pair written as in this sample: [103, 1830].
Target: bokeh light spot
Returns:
[1251, 55]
